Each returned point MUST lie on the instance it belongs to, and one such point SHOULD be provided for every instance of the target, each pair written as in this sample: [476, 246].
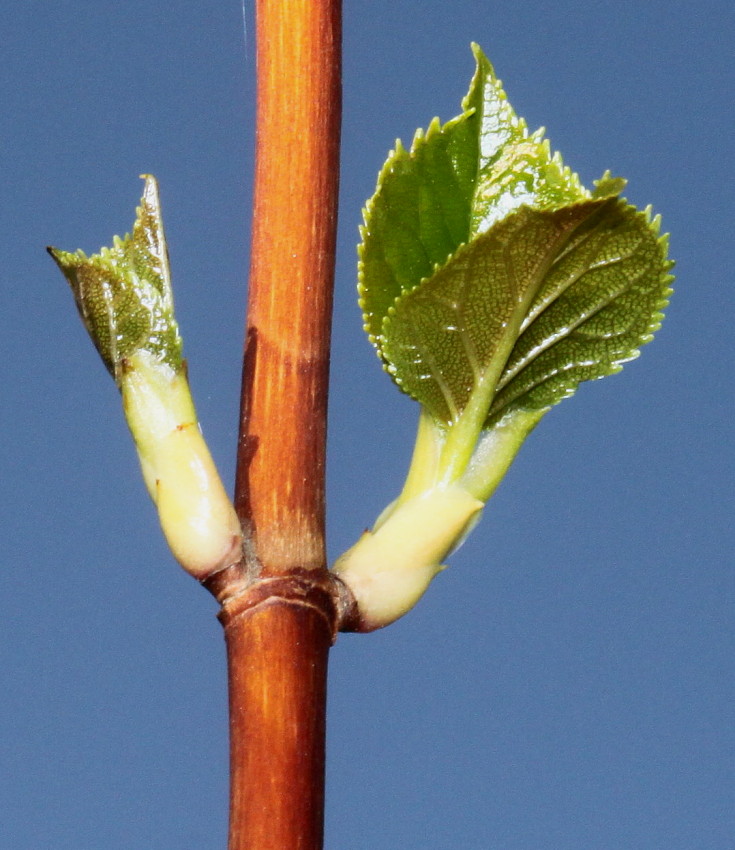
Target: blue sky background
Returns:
[568, 683]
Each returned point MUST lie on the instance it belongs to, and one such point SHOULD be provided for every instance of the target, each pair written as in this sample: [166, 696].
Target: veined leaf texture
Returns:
[489, 276]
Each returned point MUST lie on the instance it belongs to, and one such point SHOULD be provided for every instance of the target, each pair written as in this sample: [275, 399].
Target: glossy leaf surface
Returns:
[455, 182]
[523, 313]
[491, 278]
[123, 293]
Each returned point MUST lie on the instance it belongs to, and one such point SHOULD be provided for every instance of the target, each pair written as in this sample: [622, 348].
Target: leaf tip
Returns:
[608, 186]
[480, 57]
[150, 196]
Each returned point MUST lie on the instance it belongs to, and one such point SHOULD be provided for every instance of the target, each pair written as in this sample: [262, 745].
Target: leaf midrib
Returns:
[465, 431]
[522, 365]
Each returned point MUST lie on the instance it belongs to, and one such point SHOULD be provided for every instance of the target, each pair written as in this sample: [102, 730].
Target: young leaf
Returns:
[524, 312]
[455, 182]
[492, 283]
[123, 293]
[601, 300]
[124, 297]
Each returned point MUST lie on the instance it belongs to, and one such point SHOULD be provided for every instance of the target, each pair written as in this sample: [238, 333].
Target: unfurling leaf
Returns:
[523, 313]
[123, 294]
[491, 283]
[124, 297]
[455, 182]
[437, 282]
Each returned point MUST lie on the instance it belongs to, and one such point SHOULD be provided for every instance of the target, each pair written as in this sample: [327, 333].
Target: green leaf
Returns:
[523, 313]
[123, 293]
[492, 283]
[456, 181]
[599, 302]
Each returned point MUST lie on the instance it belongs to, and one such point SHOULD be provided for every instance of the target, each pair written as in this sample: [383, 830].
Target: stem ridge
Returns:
[319, 590]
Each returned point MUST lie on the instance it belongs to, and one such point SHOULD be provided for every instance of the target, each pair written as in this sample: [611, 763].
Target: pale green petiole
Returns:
[423, 474]
[495, 452]
[195, 512]
[389, 569]
[391, 566]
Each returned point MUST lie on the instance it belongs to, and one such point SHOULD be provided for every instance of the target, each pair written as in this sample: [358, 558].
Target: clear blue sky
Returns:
[568, 683]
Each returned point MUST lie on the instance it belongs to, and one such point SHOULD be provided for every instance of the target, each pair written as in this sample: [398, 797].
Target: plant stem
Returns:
[280, 612]
[280, 477]
[278, 639]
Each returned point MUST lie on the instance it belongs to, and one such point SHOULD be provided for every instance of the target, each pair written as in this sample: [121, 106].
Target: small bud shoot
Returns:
[124, 298]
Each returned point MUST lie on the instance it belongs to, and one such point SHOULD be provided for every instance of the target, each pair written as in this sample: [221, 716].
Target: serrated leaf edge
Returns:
[484, 71]
[653, 222]
[654, 324]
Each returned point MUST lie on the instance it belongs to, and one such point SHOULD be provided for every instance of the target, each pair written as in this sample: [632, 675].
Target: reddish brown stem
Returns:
[278, 639]
[280, 476]
[280, 613]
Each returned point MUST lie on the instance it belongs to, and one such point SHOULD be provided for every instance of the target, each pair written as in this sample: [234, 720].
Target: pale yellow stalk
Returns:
[196, 514]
